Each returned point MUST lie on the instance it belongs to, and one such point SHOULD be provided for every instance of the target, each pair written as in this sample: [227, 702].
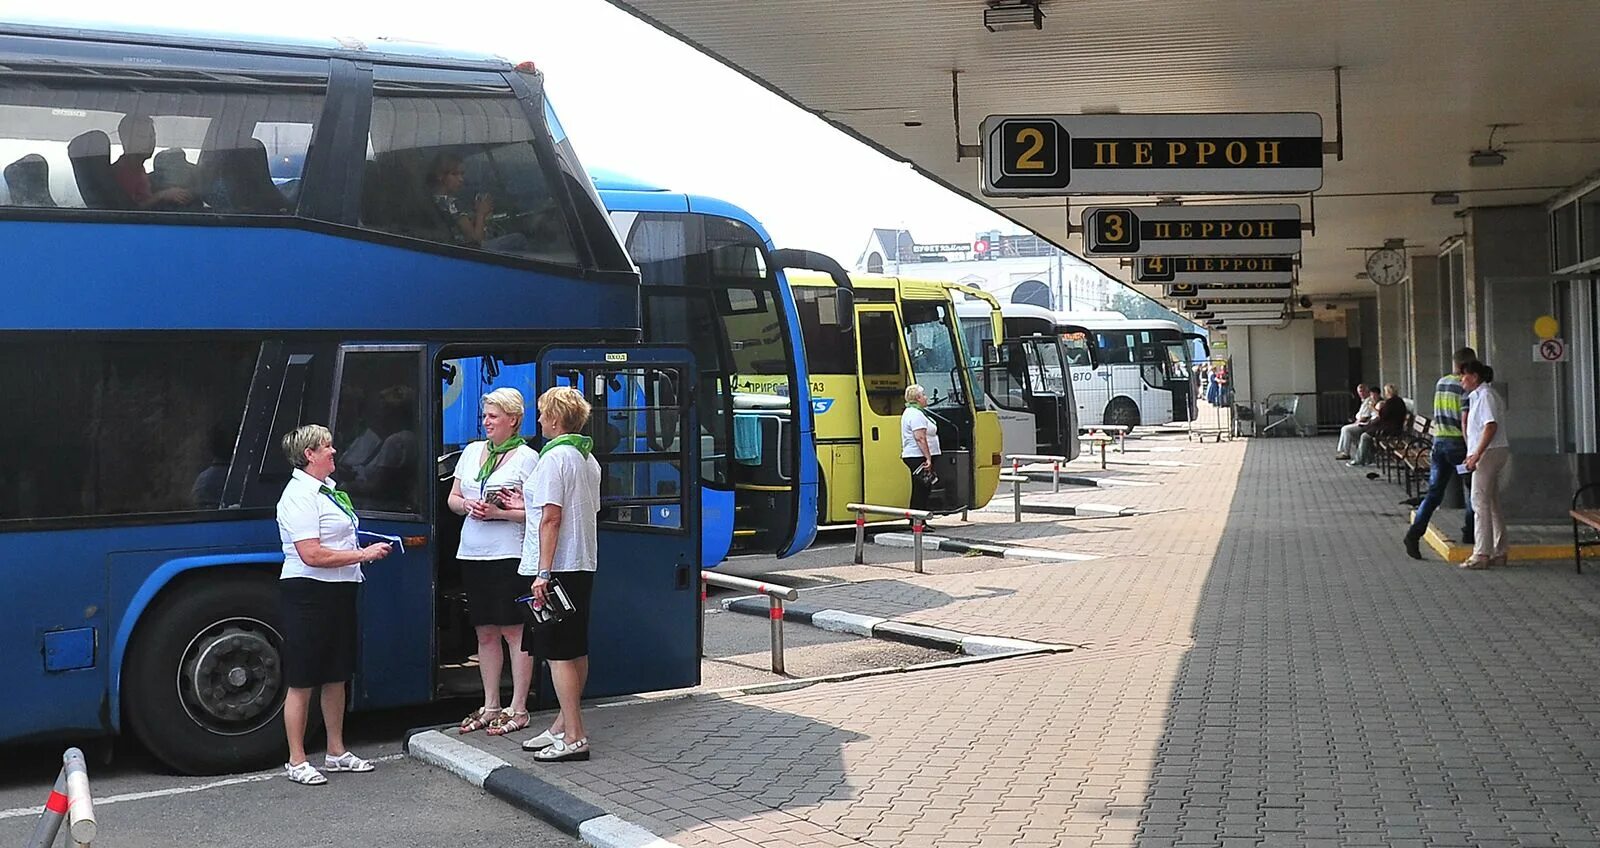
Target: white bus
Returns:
[1139, 373]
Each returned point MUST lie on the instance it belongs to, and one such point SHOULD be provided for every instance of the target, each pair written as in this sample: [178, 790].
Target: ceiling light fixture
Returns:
[1490, 156]
[1013, 14]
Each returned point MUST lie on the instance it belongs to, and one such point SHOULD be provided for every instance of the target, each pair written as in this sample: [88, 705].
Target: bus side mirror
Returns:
[847, 309]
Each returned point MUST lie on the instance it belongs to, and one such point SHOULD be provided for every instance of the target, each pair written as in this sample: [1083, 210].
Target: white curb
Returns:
[839, 621]
[457, 757]
[608, 831]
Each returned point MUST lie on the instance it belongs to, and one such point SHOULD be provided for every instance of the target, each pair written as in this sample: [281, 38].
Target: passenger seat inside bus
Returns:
[28, 181]
[90, 153]
[238, 179]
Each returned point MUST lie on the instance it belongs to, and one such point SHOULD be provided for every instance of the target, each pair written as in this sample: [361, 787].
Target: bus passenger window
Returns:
[455, 164]
[76, 138]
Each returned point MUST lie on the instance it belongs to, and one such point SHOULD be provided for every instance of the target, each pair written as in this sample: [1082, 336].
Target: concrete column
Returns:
[1508, 274]
[1422, 324]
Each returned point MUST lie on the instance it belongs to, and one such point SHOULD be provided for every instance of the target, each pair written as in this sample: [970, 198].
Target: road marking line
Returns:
[18, 812]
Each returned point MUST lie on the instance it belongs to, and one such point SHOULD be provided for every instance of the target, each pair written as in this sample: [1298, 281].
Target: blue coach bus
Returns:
[211, 240]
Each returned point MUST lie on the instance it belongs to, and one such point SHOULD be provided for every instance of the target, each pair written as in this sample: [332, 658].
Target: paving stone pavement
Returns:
[1260, 664]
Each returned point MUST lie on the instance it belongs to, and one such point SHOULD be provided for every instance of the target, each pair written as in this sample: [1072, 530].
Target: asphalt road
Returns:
[403, 803]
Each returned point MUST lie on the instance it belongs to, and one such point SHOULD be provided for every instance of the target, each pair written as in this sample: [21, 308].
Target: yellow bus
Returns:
[894, 332]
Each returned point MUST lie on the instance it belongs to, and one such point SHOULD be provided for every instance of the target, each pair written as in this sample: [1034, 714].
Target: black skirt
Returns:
[493, 586]
[567, 639]
[317, 620]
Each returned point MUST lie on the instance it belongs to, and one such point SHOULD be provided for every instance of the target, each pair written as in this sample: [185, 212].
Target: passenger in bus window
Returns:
[322, 558]
[446, 177]
[487, 491]
[137, 134]
[561, 545]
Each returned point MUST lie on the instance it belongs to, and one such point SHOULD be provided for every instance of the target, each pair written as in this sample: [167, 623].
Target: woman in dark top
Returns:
[1390, 420]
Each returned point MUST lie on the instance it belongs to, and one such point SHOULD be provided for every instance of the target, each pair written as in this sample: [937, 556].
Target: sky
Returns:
[636, 101]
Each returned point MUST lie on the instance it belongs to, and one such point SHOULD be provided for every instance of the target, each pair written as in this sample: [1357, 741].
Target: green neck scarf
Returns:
[914, 405]
[492, 454]
[341, 499]
[584, 444]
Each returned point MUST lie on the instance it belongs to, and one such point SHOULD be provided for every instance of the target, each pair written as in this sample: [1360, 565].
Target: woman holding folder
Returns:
[322, 560]
[488, 492]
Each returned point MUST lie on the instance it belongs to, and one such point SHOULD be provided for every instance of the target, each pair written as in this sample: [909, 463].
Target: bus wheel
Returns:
[204, 682]
[1122, 412]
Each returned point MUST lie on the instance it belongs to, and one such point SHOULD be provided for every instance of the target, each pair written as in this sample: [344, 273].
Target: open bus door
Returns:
[1030, 375]
[1080, 352]
[645, 632]
[1186, 389]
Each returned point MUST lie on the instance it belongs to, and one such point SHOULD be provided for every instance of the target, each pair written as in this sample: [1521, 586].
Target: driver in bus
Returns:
[137, 134]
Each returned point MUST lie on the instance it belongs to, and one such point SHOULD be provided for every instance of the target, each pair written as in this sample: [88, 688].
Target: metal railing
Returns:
[1117, 431]
[1017, 459]
[776, 595]
[1016, 481]
[70, 800]
[918, 517]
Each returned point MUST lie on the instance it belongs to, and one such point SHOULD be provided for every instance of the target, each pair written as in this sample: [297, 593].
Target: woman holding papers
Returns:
[1487, 452]
[488, 491]
[560, 549]
[321, 570]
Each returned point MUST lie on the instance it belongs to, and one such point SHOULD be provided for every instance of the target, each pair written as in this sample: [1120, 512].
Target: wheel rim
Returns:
[230, 678]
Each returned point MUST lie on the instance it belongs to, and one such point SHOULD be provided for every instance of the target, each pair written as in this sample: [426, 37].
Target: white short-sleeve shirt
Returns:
[1485, 406]
[304, 512]
[912, 420]
[570, 480]
[488, 540]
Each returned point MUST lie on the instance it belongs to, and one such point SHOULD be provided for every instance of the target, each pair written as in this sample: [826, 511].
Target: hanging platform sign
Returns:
[1034, 155]
[1215, 269]
[1269, 230]
[1226, 291]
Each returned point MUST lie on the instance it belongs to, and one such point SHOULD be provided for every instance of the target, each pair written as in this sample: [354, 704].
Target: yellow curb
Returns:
[1452, 551]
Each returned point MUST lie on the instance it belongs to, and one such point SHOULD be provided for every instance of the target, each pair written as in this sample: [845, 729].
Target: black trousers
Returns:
[921, 495]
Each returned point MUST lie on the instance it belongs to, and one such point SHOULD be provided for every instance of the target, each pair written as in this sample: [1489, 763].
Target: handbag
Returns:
[558, 605]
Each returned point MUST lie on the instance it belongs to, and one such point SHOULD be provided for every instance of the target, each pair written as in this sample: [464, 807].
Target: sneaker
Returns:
[347, 761]
[304, 774]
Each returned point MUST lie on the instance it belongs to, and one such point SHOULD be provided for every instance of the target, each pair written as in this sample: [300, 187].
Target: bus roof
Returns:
[624, 193]
[380, 49]
[1115, 321]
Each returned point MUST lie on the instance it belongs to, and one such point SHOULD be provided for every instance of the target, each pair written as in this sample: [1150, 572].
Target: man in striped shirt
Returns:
[1449, 450]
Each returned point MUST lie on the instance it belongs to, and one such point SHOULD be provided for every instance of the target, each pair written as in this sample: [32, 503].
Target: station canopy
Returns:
[1422, 83]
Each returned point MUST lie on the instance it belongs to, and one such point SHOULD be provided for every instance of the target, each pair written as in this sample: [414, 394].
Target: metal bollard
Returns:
[916, 538]
[775, 612]
[55, 809]
[861, 536]
[80, 806]
[1055, 478]
[1016, 501]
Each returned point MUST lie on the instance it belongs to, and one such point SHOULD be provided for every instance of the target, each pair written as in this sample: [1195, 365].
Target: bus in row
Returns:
[1129, 371]
[864, 346]
[216, 239]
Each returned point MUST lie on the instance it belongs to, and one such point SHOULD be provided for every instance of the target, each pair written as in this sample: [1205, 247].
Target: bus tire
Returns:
[203, 684]
[1122, 412]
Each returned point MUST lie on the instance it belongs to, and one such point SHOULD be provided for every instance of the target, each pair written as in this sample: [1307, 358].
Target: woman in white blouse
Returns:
[317, 598]
[488, 492]
[1488, 449]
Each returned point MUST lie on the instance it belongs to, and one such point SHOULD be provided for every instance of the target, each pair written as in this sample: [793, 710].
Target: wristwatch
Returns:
[544, 575]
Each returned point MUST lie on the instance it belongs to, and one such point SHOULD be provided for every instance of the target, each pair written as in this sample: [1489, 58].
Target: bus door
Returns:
[884, 375]
[679, 315]
[645, 630]
[379, 431]
[1030, 376]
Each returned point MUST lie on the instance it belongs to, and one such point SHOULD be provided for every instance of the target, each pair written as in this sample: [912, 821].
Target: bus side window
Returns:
[453, 162]
[376, 430]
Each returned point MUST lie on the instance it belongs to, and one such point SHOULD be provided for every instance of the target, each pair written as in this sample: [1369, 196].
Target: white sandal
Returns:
[304, 774]
[347, 761]
[542, 741]
[563, 750]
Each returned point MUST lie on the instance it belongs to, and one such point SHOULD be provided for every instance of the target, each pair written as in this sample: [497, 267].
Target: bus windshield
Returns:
[935, 364]
[1077, 350]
